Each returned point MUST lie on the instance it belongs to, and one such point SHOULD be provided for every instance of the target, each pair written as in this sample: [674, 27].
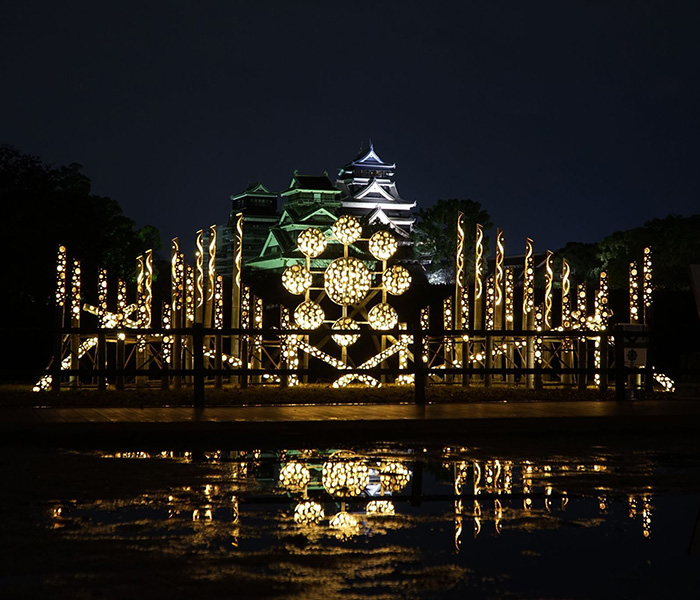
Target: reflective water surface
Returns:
[380, 522]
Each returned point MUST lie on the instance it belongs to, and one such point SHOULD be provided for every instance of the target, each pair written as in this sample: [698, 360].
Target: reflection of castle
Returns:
[364, 188]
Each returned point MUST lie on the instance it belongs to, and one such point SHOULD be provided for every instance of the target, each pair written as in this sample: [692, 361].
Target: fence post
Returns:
[418, 367]
[198, 360]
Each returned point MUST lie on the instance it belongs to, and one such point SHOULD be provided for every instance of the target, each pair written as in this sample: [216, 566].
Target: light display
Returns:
[166, 320]
[425, 326]
[309, 315]
[602, 311]
[219, 302]
[294, 475]
[396, 280]
[634, 292]
[529, 278]
[566, 295]
[296, 279]
[102, 298]
[75, 294]
[199, 273]
[509, 293]
[548, 281]
[447, 318]
[382, 245]
[245, 308]
[647, 287]
[344, 477]
[211, 268]
[311, 242]
[347, 229]
[665, 382]
[382, 317]
[347, 280]
[460, 323]
[478, 268]
[345, 524]
[380, 508]
[539, 342]
[189, 295]
[308, 513]
[581, 303]
[121, 302]
[289, 347]
[498, 273]
[61, 276]
[345, 339]
[490, 303]
[394, 476]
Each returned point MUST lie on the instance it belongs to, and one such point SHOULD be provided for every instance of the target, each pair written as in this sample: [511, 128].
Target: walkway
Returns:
[443, 422]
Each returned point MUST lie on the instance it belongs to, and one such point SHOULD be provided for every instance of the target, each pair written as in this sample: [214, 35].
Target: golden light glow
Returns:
[308, 513]
[425, 326]
[447, 319]
[345, 477]
[459, 274]
[345, 524]
[548, 282]
[294, 475]
[219, 302]
[296, 279]
[665, 382]
[396, 280]
[539, 342]
[311, 242]
[478, 263]
[347, 229]
[238, 250]
[309, 315]
[394, 476]
[634, 292]
[529, 278]
[380, 508]
[566, 295]
[581, 303]
[345, 339]
[167, 340]
[490, 302]
[75, 294]
[102, 297]
[199, 268]
[211, 270]
[121, 302]
[382, 245]
[347, 280]
[346, 380]
[498, 280]
[647, 288]
[382, 317]
[61, 276]
[510, 292]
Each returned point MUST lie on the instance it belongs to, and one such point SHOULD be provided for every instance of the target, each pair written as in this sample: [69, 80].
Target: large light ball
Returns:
[308, 513]
[309, 315]
[382, 245]
[311, 242]
[347, 280]
[294, 475]
[296, 279]
[382, 316]
[344, 478]
[396, 280]
[345, 525]
[347, 229]
[343, 339]
[394, 476]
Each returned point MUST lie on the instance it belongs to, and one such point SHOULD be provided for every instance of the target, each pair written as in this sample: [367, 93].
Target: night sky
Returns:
[567, 120]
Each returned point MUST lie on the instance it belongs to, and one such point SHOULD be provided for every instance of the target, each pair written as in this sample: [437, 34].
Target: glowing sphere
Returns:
[308, 513]
[311, 242]
[345, 339]
[344, 478]
[382, 245]
[294, 475]
[396, 280]
[309, 315]
[296, 279]
[347, 229]
[394, 476]
[383, 316]
[347, 280]
[380, 508]
[345, 525]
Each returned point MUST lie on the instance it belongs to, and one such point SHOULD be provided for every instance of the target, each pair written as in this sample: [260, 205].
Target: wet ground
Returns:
[615, 520]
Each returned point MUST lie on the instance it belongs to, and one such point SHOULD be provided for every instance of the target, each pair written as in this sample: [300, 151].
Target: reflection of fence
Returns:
[537, 359]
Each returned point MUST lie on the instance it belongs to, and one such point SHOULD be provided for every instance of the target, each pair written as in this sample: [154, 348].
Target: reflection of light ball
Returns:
[380, 508]
[309, 315]
[294, 475]
[296, 279]
[347, 229]
[308, 513]
[345, 524]
[383, 316]
[396, 280]
[347, 280]
[382, 245]
[394, 476]
[311, 242]
[345, 478]
[345, 339]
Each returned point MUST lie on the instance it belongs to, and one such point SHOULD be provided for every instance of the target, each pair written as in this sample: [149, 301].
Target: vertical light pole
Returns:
[75, 322]
[529, 309]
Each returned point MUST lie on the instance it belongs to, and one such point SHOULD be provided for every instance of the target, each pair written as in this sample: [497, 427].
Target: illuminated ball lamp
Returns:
[345, 339]
[396, 280]
[345, 525]
[308, 513]
[311, 242]
[382, 245]
[296, 279]
[380, 508]
[345, 478]
[382, 316]
[294, 475]
[347, 280]
[347, 229]
[309, 315]
[394, 476]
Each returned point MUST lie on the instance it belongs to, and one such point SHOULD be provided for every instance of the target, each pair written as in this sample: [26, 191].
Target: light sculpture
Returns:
[460, 275]
[308, 513]
[382, 317]
[294, 475]
[219, 302]
[539, 342]
[347, 229]
[296, 279]
[498, 274]
[581, 303]
[75, 294]
[634, 292]
[548, 282]
[289, 347]
[347, 280]
[309, 315]
[167, 340]
[529, 278]
[509, 293]
[101, 297]
[602, 309]
[199, 273]
[478, 274]
[396, 280]
[211, 268]
[189, 295]
[447, 320]
[425, 326]
[61, 261]
[345, 339]
[121, 302]
[647, 287]
[566, 295]
[393, 476]
[245, 308]
[344, 477]
[382, 245]
[345, 524]
[490, 303]
[380, 508]
[311, 242]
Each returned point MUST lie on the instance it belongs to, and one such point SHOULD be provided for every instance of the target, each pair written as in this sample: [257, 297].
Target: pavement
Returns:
[302, 424]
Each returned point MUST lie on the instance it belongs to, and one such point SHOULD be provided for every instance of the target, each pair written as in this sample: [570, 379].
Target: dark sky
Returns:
[567, 120]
